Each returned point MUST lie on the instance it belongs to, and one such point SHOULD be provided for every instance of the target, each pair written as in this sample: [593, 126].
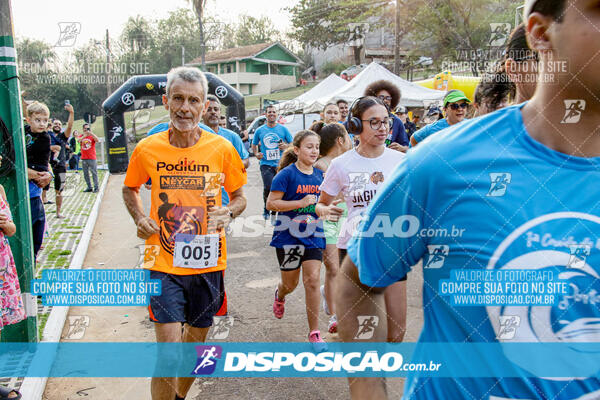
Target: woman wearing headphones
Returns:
[358, 174]
[335, 141]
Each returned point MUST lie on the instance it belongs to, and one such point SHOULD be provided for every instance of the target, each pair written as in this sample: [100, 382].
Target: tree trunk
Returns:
[398, 22]
[357, 54]
[199, 10]
[203, 48]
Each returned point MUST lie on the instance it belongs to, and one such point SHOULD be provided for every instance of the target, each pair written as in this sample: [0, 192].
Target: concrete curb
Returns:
[32, 388]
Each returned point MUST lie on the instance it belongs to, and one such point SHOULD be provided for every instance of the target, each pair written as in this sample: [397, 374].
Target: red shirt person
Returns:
[88, 158]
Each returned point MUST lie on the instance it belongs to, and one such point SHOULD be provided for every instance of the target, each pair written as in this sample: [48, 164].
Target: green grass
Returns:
[62, 262]
[253, 101]
[42, 319]
[56, 254]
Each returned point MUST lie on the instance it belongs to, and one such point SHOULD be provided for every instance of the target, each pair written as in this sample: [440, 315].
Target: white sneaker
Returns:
[325, 306]
[332, 327]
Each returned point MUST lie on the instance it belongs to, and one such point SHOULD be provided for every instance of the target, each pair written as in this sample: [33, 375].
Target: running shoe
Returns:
[278, 306]
[325, 305]
[317, 341]
[332, 327]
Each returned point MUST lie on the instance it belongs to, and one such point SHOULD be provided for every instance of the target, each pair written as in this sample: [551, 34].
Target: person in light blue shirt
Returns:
[268, 144]
[231, 136]
[163, 126]
[496, 194]
[212, 119]
[456, 105]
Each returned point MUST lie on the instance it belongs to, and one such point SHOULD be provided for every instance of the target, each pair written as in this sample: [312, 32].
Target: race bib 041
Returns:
[273, 154]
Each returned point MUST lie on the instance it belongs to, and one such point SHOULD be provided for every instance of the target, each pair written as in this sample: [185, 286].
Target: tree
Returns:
[138, 34]
[460, 31]
[179, 29]
[199, 6]
[250, 30]
[322, 23]
[34, 51]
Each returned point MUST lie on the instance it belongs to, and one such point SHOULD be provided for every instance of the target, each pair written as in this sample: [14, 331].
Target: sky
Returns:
[39, 19]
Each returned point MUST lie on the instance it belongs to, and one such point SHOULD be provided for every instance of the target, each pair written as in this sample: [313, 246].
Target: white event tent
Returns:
[413, 95]
[306, 101]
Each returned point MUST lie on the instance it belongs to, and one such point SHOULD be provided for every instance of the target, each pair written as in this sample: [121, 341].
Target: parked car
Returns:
[294, 122]
[350, 72]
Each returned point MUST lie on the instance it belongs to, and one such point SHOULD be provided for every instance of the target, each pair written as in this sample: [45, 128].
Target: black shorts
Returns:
[191, 299]
[60, 178]
[292, 257]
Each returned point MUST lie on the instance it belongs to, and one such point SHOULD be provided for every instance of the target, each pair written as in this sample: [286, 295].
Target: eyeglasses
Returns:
[376, 123]
[456, 106]
[385, 98]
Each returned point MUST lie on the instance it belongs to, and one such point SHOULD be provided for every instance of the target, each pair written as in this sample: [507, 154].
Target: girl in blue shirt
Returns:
[298, 234]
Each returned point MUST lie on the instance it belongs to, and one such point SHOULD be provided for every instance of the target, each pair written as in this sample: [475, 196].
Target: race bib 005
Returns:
[196, 251]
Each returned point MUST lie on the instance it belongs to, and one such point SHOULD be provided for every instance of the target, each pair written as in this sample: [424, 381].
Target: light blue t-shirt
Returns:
[269, 138]
[231, 136]
[430, 129]
[485, 196]
[165, 125]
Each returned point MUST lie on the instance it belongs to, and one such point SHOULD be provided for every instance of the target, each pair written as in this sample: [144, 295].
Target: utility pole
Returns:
[202, 48]
[108, 90]
[182, 56]
[14, 178]
[397, 40]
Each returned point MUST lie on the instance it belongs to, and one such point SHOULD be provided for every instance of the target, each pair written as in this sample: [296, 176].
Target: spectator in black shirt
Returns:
[55, 149]
[75, 151]
[408, 125]
[60, 166]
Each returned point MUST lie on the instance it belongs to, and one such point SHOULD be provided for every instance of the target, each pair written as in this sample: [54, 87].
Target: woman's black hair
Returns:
[517, 47]
[380, 85]
[359, 108]
[329, 134]
[553, 8]
[494, 88]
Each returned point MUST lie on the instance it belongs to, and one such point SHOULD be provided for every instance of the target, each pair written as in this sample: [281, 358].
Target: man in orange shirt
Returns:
[187, 166]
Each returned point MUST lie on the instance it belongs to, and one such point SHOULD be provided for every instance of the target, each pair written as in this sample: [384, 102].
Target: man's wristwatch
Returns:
[230, 213]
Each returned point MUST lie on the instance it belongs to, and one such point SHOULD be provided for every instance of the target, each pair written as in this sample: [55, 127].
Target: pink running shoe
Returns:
[317, 341]
[278, 306]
